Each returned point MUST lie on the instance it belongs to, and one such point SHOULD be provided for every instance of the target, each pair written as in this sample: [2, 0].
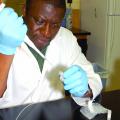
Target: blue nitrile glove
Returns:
[12, 31]
[75, 81]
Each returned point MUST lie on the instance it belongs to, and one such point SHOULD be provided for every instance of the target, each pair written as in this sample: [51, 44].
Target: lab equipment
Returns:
[93, 109]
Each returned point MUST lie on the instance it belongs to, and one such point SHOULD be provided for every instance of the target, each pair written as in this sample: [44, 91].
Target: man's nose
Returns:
[47, 30]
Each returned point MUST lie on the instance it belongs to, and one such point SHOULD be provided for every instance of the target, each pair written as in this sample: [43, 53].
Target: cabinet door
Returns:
[93, 19]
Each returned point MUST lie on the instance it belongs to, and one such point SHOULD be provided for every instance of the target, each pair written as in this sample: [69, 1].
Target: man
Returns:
[30, 69]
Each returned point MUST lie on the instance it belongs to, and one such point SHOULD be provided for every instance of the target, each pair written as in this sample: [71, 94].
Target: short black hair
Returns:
[56, 3]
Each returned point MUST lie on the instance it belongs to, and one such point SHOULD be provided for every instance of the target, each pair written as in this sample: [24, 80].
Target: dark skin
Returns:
[43, 21]
[5, 63]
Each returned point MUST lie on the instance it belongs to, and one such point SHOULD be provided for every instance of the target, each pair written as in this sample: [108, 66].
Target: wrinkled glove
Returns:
[12, 31]
[75, 81]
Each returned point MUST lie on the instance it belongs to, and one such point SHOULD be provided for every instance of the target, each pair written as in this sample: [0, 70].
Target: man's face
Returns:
[43, 21]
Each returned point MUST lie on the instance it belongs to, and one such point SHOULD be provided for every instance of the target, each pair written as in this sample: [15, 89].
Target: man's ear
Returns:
[24, 10]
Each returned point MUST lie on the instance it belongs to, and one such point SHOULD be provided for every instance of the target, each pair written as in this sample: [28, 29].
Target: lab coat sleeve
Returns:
[76, 57]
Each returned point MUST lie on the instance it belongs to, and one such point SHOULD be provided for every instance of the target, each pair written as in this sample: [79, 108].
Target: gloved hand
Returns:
[75, 81]
[12, 31]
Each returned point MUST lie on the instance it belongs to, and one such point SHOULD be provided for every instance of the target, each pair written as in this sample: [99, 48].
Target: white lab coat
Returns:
[26, 84]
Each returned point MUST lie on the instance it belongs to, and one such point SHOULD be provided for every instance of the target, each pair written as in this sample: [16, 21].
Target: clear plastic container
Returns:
[102, 72]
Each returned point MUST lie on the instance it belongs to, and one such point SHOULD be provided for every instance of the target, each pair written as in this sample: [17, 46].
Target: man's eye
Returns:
[40, 22]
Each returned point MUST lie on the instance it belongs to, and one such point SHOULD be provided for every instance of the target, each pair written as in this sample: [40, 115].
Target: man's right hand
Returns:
[12, 31]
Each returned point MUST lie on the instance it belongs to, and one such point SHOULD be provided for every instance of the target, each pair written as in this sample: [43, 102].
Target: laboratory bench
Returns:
[82, 37]
[63, 109]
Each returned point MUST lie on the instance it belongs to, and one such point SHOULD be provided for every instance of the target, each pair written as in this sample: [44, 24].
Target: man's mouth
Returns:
[40, 42]
[39, 39]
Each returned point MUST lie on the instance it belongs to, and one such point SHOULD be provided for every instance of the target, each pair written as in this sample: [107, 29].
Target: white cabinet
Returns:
[93, 19]
[102, 19]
